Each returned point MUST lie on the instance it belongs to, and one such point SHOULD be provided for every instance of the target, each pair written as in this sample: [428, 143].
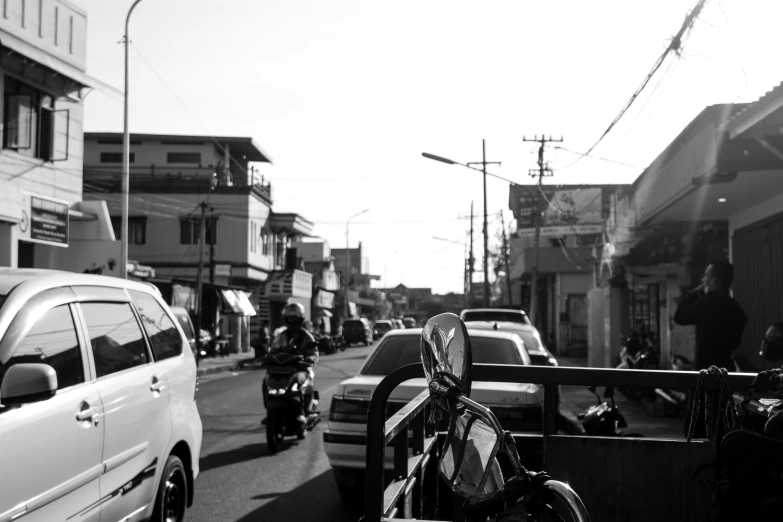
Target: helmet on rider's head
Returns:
[294, 314]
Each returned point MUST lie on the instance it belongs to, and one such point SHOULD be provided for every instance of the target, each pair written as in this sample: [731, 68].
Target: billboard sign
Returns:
[563, 206]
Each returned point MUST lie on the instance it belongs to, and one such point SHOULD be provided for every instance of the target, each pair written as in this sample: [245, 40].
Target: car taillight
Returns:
[355, 410]
[349, 410]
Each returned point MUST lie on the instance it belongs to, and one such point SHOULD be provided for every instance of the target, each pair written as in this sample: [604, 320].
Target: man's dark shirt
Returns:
[719, 322]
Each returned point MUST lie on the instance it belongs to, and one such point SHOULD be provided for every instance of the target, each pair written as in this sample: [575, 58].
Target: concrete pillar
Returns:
[9, 245]
[558, 298]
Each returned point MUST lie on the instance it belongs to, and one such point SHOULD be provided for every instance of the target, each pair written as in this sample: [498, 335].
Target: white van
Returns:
[98, 417]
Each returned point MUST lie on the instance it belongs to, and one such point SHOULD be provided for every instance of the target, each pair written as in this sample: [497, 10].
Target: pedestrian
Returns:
[264, 338]
[719, 322]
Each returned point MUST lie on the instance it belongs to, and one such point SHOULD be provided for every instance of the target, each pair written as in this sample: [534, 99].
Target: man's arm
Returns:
[691, 308]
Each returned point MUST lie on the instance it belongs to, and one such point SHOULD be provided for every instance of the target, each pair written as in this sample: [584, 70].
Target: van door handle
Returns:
[87, 412]
[157, 385]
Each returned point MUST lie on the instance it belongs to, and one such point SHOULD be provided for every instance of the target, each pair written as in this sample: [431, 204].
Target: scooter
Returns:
[603, 420]
[284, 397]
[325, 344]
[638, 353]
[674, 401]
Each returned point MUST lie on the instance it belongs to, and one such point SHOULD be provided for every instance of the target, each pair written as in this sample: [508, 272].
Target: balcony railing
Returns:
[586, 462]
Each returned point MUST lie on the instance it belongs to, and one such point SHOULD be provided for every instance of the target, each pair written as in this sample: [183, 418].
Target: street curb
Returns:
[240, 365]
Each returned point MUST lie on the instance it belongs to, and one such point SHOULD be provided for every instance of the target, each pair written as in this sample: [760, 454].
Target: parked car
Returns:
[494, 314]
[398, 324]
[98, 390]
[381, 328]
[409, 322]
[183, 318]
[519, 407]
[357, 331]
[539, 355]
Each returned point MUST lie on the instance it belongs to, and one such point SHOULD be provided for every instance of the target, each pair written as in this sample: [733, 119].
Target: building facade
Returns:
[571, 235]
[316, 257]
[175, 181]
[716, 191]
[44, 222]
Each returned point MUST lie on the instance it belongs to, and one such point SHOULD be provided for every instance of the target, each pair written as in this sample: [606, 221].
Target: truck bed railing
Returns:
[404, 496]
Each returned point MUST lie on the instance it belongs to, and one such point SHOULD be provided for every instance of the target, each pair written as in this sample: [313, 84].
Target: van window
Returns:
[116, 339]
[164, 337]
[52, 340]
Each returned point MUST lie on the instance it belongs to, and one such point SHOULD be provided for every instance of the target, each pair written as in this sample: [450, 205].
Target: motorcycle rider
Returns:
[295, 340]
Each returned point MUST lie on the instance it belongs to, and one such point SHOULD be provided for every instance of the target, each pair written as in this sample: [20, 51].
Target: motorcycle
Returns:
[339, 342]
[468, 462]
[284, 397]
[325, 344]
[603, 420]
[638, 353]
[674, 401]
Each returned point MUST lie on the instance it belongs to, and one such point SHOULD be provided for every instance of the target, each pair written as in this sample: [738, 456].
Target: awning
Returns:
[34, 53]
[245, 304]
[230, 302]
[236, 302]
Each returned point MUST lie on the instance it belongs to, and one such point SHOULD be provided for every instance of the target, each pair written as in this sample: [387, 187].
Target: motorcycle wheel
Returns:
[670, 409]
[555, 501]
[274, 430]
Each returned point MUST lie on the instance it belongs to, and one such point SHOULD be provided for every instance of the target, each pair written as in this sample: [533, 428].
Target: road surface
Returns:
[240, 480]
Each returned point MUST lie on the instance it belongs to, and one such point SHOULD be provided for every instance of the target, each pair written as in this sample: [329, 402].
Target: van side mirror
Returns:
[25, 383]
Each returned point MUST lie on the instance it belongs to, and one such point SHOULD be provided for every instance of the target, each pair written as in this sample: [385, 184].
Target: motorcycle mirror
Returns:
[445, 351]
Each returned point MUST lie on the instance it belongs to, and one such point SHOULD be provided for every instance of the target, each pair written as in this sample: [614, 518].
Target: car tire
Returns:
[274, 432]
[172, 498]
[350, 483]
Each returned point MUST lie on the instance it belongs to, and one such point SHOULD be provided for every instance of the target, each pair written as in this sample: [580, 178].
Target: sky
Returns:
[345, 95]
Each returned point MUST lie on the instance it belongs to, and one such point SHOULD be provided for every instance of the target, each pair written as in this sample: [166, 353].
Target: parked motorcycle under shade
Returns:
[603, 419]
[675, 401]
[284, 398]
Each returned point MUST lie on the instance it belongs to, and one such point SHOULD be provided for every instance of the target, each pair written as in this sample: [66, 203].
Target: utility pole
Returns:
[484, 164]
[200, 277]
[543, 170]
[471, 259]
[505, 255]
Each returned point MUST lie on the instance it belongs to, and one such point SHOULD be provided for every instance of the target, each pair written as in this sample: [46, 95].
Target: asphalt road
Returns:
[240, 479]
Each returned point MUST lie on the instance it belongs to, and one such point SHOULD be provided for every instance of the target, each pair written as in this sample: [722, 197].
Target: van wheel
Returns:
[172, 498]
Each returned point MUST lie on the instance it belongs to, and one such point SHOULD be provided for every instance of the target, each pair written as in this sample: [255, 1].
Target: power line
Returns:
[598, 158]
[171, 90]
[676, 46]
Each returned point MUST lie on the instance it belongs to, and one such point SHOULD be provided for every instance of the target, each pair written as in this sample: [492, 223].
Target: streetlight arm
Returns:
[438, 158]
[127, 18]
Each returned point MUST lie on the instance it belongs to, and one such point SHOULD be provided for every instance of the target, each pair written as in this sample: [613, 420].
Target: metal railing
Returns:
[383, 502]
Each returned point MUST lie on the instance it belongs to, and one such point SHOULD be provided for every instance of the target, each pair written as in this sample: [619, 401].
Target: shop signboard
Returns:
[48, 221]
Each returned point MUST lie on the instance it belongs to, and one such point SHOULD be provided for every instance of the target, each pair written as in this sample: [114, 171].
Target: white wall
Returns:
[750, 215]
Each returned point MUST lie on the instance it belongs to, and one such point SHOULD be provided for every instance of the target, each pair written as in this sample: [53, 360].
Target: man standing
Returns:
[719, 322]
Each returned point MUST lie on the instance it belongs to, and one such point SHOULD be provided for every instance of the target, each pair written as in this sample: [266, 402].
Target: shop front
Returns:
[323, 304]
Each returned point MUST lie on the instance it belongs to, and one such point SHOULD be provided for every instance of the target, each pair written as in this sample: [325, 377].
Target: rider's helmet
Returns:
[294, 314]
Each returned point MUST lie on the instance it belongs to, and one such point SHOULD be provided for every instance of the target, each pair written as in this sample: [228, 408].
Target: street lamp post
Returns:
[483, 170]
[348, 258]
[125, 158]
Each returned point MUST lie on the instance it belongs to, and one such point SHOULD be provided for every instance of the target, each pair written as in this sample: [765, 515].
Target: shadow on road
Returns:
[234, 456]
[298, 504]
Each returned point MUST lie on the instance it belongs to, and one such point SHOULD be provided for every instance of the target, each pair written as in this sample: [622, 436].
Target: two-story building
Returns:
[360, 278]
[44, 222]
[317, 259]
[572, 222]
[716, 191]
[175, 181]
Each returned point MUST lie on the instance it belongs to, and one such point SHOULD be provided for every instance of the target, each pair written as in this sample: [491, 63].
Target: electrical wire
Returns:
[675, 45]
[171, 90]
